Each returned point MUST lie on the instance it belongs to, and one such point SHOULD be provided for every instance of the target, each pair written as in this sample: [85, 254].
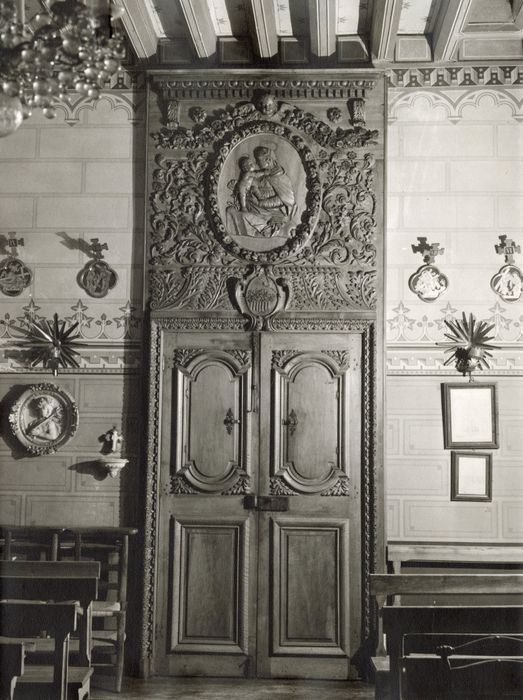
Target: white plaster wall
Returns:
[455, 176]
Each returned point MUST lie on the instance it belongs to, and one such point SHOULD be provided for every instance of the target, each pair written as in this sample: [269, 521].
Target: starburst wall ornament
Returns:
[51, 343]
[470, 344]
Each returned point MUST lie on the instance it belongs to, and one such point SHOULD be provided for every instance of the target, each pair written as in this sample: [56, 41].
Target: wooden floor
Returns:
[225, 689]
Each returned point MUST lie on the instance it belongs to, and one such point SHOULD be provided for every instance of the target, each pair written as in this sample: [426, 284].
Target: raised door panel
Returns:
[210, 584]
[309, 612]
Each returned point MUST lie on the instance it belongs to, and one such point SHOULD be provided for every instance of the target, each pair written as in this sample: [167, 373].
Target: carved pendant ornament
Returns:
[15, 276]
[428, 283]
[271, 188]
[507, 283]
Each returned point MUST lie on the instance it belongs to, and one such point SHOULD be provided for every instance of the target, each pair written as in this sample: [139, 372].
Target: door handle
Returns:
[266, 503]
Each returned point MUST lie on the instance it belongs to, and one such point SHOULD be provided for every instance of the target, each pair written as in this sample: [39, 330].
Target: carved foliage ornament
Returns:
[44, 418]
[264, 184]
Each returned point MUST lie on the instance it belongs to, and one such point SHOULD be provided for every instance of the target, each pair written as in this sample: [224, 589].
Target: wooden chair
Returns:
[12, 655]
[32, 543]
[397, 621]
[110, 547]
[56, 681]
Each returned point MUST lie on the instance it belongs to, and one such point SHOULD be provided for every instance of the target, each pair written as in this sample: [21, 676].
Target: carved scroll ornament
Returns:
[263, 184]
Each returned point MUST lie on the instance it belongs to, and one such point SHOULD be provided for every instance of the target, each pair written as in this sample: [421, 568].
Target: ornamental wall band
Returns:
[265, 196]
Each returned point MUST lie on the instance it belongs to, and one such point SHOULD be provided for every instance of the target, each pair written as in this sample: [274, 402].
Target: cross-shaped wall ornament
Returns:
[507, 283]
[13, 242]
[427, 250]
[508, 248]
[15, 276]
[97, 247]
[427, 283]
[97, 278]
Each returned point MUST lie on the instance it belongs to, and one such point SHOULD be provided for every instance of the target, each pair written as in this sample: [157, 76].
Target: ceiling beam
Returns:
[199, 25]
[263, 28]
[141, 26]
[322, 23]
[448, 28]
[384, 29]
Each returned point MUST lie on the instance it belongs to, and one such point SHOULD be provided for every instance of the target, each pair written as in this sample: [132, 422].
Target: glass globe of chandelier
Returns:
[70, 46]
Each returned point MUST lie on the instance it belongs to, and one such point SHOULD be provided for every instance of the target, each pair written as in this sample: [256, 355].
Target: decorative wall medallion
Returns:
[260, 296]
[264, 193]
[15, 276]
[44, 418]
[507, 283]
[428, 283]
[97, 278]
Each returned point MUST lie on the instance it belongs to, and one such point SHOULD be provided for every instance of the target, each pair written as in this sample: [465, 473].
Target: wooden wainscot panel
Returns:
[411, 476]
[310, 587]
[453, 521]
[393, 517]
[73, 510]
[10, 510]
[209, 611]
[512, 520]
[101, 395]
[45, 473]
[422, 435]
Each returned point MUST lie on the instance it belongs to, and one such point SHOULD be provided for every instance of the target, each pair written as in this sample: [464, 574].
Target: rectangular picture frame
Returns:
[471, 476]
[470, 415]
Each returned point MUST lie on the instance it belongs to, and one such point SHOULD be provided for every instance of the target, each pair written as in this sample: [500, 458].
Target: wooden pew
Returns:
[12, 655]
[461, 665]
[56, 581]
[397, 621]
[29, 619]
[29, 542]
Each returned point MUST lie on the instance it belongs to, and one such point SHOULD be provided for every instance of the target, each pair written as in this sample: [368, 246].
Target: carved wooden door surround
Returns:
[264, 240]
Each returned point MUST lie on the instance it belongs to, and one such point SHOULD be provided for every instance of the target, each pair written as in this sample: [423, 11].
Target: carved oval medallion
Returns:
[264, 193]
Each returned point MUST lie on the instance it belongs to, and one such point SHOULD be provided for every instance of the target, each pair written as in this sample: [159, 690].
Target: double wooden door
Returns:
[259, 570]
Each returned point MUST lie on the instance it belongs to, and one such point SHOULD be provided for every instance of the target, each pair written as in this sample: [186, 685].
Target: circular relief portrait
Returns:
[265, 199]
[44, 418]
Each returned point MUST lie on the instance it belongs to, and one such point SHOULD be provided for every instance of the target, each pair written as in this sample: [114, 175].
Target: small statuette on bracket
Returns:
[507, 283]
[112, 460]
[428, 283]
[15, 276]
[97, 278]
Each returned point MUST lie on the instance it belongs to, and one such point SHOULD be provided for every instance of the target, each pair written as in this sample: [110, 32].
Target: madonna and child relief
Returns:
[265, 180]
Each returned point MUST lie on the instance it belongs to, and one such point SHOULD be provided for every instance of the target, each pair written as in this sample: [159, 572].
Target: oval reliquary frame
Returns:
[44, 418]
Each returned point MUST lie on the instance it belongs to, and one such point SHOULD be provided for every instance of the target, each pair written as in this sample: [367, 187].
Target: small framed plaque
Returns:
[471, 476]
[470, 418]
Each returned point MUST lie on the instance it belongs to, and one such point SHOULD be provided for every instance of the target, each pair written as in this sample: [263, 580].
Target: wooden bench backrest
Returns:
[460, 584]
[28, 619]
[48, 580]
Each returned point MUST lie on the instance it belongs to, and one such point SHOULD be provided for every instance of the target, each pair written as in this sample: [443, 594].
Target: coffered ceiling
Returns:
[301, 33]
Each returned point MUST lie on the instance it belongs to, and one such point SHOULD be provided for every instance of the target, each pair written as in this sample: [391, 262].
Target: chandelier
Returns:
[70, 45]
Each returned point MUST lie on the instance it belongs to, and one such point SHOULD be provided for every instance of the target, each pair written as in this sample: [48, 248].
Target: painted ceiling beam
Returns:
[140, 26]
[384, 29]
[448, 28]
[263, 28]
[200, 27]
[322, 22]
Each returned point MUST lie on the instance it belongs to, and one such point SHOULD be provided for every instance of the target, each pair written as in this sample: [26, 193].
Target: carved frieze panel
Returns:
[212, 389]
[266, 185]
[309, 418]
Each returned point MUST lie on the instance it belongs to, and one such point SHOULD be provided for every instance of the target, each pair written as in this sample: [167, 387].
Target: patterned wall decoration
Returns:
[263, 183]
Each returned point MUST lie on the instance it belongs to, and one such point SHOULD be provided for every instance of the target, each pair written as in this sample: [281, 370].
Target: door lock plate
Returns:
[266, 503]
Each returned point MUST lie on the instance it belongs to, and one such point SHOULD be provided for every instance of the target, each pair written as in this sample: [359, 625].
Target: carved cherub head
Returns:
[267, 105]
